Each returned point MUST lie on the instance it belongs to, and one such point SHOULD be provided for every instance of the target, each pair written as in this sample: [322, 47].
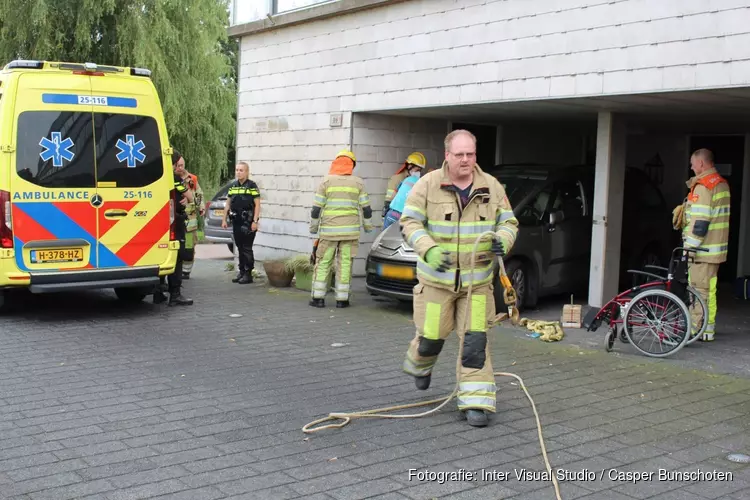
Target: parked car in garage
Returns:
[553, 205]
[215, 212]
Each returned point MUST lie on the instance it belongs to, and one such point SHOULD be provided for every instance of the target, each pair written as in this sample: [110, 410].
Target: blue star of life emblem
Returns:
[56, 149]
[130, 151]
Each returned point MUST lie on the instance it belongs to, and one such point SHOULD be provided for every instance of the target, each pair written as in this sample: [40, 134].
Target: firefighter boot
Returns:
[476, 418]
[237, 278]
[423, 383]
[340, 304]
[245, 279]
[318, 302]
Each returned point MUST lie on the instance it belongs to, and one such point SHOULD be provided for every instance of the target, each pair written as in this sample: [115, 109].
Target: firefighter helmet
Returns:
[417, 159]
[348, 154]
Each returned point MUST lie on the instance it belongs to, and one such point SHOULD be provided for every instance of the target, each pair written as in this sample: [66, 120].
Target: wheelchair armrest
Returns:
[644, 273]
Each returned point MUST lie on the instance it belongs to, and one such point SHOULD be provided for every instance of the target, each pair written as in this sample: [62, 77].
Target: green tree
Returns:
[184, 44]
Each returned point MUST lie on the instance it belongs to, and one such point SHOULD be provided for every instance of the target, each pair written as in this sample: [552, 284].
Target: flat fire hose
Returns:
[509, 296]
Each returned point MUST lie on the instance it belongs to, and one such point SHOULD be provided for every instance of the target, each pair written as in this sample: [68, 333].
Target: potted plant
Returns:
[302, 269]
[277, 273]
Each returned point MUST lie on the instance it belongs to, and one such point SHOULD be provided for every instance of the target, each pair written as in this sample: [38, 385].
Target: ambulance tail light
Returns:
[6, 227]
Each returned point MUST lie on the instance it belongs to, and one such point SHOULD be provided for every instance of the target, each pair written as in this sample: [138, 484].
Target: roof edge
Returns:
[304, 15]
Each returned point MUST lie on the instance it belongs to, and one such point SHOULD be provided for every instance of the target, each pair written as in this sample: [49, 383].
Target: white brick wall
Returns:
[433, 52]
[381, 144]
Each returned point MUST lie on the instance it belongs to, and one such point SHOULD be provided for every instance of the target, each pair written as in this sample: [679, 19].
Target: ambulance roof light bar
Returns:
[140, 72]
[25, 63]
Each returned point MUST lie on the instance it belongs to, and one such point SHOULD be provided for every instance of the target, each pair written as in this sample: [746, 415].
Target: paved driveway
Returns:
[99, 400]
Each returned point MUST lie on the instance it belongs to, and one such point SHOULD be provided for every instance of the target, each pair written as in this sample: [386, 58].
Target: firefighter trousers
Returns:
[703, 278]
[438, 312]
[189, 254]
[343, 252]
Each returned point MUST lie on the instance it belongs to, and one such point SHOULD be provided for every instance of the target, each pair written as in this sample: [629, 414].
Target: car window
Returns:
[222, 192]
[568, 199]
[532, 213]
[55, 149]
[128, 150]
[517, 188]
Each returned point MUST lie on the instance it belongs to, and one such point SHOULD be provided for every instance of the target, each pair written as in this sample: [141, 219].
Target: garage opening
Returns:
[486, 142]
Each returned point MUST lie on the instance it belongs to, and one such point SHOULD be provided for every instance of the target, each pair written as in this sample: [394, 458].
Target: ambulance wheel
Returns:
[130, 295]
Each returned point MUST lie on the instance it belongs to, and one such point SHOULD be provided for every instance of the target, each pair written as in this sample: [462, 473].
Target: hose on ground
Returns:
[510, 298]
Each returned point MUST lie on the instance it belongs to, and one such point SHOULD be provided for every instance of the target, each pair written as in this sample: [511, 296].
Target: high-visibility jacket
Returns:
[707, 217]
[433, 216]
[336, 208]
[393, 183]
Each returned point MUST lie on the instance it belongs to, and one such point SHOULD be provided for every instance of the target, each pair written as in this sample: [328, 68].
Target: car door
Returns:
[569, 235]
[53, 179]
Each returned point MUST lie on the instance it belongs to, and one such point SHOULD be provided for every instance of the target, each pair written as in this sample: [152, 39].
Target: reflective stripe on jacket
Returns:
[335, 213]
[433, 217]
[707, 212]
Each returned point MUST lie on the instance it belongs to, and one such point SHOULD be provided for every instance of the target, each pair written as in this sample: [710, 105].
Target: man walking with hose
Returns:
[444, 214]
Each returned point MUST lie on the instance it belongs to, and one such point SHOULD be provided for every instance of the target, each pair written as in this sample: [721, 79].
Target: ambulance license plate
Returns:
[404, 273]
[56, 255]
[218, 213]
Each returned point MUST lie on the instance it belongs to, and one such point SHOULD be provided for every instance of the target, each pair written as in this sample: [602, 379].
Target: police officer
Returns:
[243, 208]
[184, 196]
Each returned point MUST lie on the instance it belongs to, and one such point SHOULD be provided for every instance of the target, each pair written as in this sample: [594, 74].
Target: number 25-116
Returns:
[130, 195]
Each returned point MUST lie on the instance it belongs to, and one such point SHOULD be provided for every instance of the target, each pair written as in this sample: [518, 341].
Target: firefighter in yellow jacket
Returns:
[705, 224]
[335, 218]
[402, 173]
[445, 212]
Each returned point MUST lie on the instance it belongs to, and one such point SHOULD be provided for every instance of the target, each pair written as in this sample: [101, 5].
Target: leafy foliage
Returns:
[184, 44]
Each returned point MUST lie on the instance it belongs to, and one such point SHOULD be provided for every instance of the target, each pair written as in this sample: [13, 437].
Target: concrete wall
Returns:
[425, 53]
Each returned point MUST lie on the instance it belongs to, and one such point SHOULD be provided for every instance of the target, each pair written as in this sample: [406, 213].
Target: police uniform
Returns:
[175, 279]
[241, 211]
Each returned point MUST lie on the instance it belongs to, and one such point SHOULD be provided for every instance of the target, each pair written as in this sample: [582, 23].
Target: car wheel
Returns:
[231, 247]
[131, 295]
[516, 271]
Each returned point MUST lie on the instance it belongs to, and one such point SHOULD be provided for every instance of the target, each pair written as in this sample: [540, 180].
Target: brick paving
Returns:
[131, 402]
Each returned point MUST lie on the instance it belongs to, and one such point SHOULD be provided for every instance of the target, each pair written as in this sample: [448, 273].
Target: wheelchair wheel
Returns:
[609, 338]
[697, 302]
[657, 323]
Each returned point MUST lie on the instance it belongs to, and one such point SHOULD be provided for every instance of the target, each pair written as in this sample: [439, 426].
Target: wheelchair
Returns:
[655, 317]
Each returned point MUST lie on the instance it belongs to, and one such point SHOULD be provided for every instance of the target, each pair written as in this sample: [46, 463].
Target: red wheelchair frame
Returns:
[675, 282]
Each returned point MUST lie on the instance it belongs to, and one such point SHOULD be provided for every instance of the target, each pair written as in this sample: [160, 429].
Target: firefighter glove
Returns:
[438, 259]
[498, 248]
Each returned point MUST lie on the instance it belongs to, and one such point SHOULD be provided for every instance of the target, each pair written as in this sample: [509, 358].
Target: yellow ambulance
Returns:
[87, 195]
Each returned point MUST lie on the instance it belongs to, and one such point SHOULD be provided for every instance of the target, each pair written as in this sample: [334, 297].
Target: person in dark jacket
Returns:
[184, 196]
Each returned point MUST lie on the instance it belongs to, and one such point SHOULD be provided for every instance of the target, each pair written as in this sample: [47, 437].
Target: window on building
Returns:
[280, 6]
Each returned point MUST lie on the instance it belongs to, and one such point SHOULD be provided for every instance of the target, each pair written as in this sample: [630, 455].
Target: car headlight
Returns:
[378, 238]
